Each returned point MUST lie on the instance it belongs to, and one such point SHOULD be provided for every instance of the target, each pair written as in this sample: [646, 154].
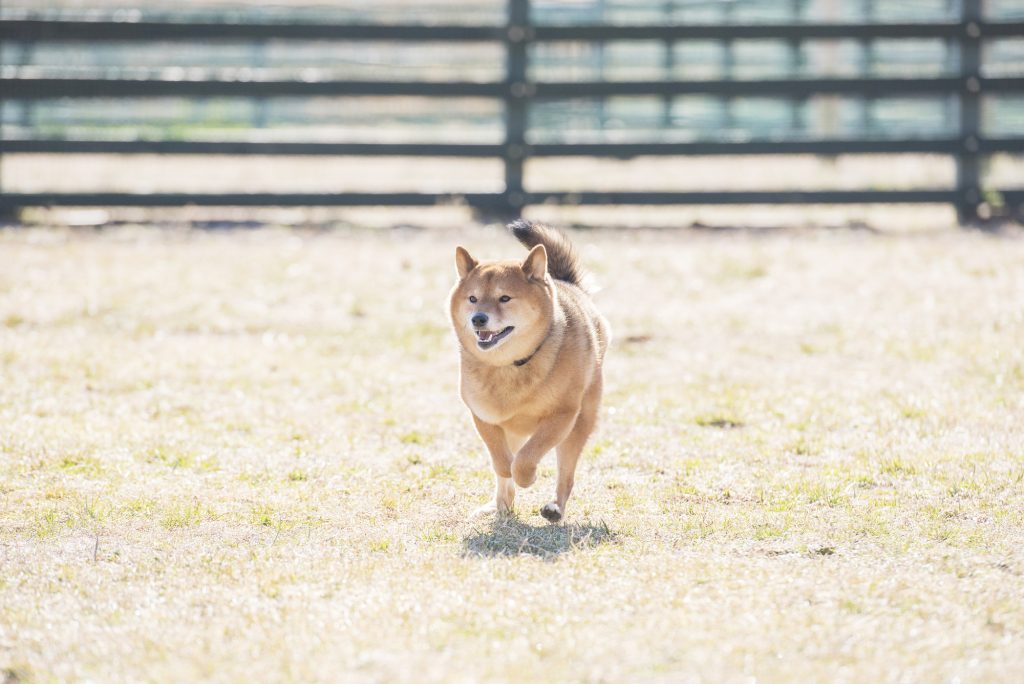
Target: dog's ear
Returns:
[536, 263]
[463, 261]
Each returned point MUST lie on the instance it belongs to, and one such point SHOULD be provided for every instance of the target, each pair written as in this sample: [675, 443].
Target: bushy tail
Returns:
[563, 264]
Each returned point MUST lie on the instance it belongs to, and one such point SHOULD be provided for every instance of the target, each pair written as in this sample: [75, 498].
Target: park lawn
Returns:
[238, 456]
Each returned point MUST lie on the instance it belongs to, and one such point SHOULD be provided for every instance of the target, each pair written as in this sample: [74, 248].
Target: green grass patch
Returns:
[181, 514]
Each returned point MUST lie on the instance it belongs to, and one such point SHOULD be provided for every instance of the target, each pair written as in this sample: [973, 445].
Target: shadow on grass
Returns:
[509, 536]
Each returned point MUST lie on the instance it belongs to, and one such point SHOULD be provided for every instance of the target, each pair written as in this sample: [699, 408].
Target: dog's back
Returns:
[565, 267]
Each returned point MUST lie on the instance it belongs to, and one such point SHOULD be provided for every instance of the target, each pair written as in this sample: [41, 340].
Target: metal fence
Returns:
[519, 91]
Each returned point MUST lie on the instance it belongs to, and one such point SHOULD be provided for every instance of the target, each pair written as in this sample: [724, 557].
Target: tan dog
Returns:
[532, 348]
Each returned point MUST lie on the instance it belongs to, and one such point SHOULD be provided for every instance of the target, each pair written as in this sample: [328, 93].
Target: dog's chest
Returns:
[490, 408]
[497, 400]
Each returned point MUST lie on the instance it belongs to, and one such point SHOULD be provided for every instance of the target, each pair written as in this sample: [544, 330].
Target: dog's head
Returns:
[502, 310]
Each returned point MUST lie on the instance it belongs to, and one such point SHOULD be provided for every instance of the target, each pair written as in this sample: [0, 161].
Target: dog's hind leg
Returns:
[569, 452]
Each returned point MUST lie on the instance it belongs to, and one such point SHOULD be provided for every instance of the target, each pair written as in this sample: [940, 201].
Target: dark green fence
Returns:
[519, 92]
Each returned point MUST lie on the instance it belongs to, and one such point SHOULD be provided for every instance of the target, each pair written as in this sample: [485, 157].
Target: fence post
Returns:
[258, 60]
[728, 121]
[867, 70]
[668, 64]
[797, 105]
[518, 91]
[600, 52]
[25, 120]
[968, 182]
[5, 211]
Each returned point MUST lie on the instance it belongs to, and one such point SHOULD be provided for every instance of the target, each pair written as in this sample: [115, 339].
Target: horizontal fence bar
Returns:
[797, 31]
[152, 31]
[115, 199]
[52, 88]
[613, 150]
[494, 201]
[43, 30]
[745, 197]
[773, 87]
[488, 199]
[249, 148]
[766, 147]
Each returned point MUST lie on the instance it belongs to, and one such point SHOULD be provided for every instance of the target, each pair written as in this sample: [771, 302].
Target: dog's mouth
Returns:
[485, 339]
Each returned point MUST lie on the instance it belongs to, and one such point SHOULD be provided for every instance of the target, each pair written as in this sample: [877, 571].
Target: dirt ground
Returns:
[237, 455]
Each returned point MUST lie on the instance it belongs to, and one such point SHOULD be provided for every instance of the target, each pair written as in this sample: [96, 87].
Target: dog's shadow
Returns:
[504, 536]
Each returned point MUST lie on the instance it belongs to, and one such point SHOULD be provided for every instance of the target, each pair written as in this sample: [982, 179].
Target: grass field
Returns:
[240, 456]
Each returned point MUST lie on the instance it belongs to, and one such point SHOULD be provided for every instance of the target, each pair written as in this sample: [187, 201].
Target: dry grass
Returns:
[234, 456]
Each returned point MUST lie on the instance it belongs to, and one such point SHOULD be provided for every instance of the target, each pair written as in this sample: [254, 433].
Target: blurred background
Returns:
[886, 137]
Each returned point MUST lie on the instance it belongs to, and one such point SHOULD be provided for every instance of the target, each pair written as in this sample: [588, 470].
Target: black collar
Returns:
[523, 362]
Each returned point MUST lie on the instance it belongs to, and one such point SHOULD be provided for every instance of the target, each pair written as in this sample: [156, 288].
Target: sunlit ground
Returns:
[241, 456]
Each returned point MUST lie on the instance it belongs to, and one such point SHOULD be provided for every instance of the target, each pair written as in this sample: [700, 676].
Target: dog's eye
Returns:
[505, 298]
[472, 299]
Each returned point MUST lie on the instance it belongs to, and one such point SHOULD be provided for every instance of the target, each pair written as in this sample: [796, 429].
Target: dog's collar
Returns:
[524, 361]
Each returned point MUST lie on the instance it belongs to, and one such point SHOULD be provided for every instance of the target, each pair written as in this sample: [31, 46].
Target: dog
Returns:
[532, 348]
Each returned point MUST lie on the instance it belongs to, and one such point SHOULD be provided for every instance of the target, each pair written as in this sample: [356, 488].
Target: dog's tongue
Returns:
[484, 335]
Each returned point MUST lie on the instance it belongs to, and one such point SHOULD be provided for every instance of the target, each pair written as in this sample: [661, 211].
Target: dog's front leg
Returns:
[501, 459]
[550, 433]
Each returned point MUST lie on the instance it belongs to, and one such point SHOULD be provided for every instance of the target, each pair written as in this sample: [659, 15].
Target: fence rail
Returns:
[49, 88]
[144, 31]
[949, 146]
[518, 91]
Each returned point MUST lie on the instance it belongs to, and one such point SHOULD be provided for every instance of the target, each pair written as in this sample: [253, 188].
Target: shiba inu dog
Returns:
[532, 346]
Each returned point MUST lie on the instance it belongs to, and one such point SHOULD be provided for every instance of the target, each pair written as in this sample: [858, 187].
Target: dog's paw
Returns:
[551, 512]
[490, 508]
[523, 474]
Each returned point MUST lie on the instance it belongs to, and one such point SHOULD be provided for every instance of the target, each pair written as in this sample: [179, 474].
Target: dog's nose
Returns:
[479, 320]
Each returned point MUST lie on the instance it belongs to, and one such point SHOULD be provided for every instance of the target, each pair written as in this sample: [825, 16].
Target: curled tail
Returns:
[563, 263]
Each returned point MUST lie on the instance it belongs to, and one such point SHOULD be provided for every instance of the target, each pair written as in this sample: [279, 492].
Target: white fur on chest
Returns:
[488, 408]
[486, 412]
[499, 400]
